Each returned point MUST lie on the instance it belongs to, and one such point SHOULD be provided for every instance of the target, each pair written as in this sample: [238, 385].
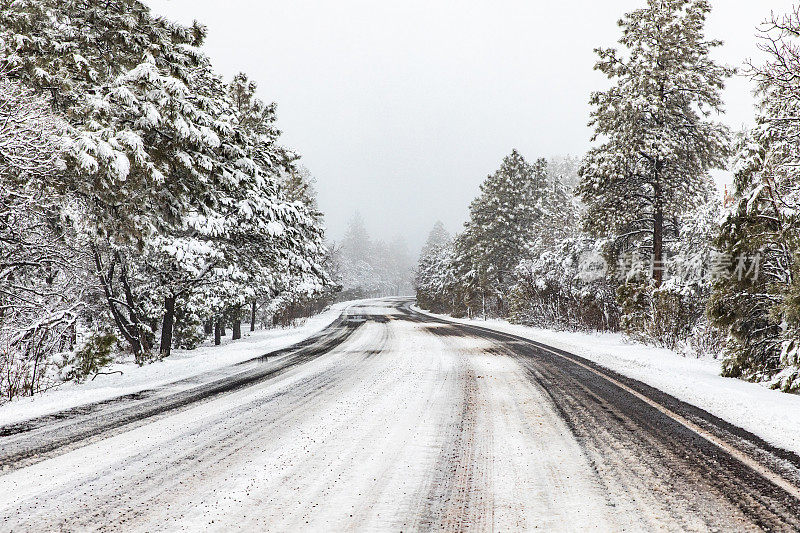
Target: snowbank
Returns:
[772, 415]
[181, 364]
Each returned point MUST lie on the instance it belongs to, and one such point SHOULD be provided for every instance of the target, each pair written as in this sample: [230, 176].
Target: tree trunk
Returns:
[222, 328]
[217, 332]
[237, 329]
[134, 319]
[123, 326]
[658, 243]
[167, 326]
[208, 327]
[253, 316]
[33, 376]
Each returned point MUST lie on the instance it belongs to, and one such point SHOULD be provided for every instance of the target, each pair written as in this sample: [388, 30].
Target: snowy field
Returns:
[772, 415]
[181, 364]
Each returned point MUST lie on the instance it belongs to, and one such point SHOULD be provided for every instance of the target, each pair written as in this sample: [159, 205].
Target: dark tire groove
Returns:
[32, 441]
[629, 442]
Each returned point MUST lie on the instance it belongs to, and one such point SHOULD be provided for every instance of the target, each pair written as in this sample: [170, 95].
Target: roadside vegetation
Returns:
[635, 237]
[146, 203]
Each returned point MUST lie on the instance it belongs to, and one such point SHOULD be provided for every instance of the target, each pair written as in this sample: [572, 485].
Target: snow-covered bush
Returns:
[96, 353]
[788, 379]
[43, 261]
[566, 286]
[43, 284]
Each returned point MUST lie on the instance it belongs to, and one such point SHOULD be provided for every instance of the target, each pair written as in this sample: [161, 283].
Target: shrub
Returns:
[91, 358]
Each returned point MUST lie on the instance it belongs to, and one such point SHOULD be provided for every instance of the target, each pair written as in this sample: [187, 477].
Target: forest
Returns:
[636, 237]
[146, 202]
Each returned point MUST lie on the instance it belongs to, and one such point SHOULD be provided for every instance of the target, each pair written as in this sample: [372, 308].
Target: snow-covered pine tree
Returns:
[145, 141]
[292, 299]
[657, 142]
[468, 293]
[164, 161]
[269, 245]
[278, 232]
[359, 272]
[501, 226]
[42, 263]
[432, 278]
[757, 303]
[71, 48]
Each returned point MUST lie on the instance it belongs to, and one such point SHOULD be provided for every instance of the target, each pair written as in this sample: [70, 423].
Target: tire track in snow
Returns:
[652, 462]
[410, 424]
[27, 443]
[151, 473]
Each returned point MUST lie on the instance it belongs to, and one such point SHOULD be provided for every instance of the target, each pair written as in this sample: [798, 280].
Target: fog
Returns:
[400, 109]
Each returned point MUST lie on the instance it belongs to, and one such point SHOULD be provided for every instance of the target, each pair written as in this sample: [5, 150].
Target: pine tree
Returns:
[500, 228]
[179, 170]
[757, 302]
[400, 267]
[277, 230]
[146, 140]
[433, 276]
[358, 258]
[657, 141]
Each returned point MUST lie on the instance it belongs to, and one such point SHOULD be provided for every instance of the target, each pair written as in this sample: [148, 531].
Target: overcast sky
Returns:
[401, 109]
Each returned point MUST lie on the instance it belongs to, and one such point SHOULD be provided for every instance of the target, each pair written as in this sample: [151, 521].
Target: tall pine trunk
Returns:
[658, 246]
[658, 232]
[217, 332]
[167, 325]
[253, 316]
[237, 329]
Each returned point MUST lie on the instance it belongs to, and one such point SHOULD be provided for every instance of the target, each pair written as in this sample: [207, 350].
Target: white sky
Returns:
[401, 109]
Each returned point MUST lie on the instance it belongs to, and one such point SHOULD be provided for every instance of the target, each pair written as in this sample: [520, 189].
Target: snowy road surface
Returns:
[399, 422]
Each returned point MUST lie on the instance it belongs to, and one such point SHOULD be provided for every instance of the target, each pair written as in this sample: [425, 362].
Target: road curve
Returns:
[401, 422]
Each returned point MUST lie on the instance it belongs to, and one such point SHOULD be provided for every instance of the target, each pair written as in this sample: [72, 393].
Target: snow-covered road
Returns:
[405, 423]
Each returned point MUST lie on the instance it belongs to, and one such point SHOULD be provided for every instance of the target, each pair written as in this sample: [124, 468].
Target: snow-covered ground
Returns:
[772, 415]
[406, 425]
[392, 430]
[181, 364]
